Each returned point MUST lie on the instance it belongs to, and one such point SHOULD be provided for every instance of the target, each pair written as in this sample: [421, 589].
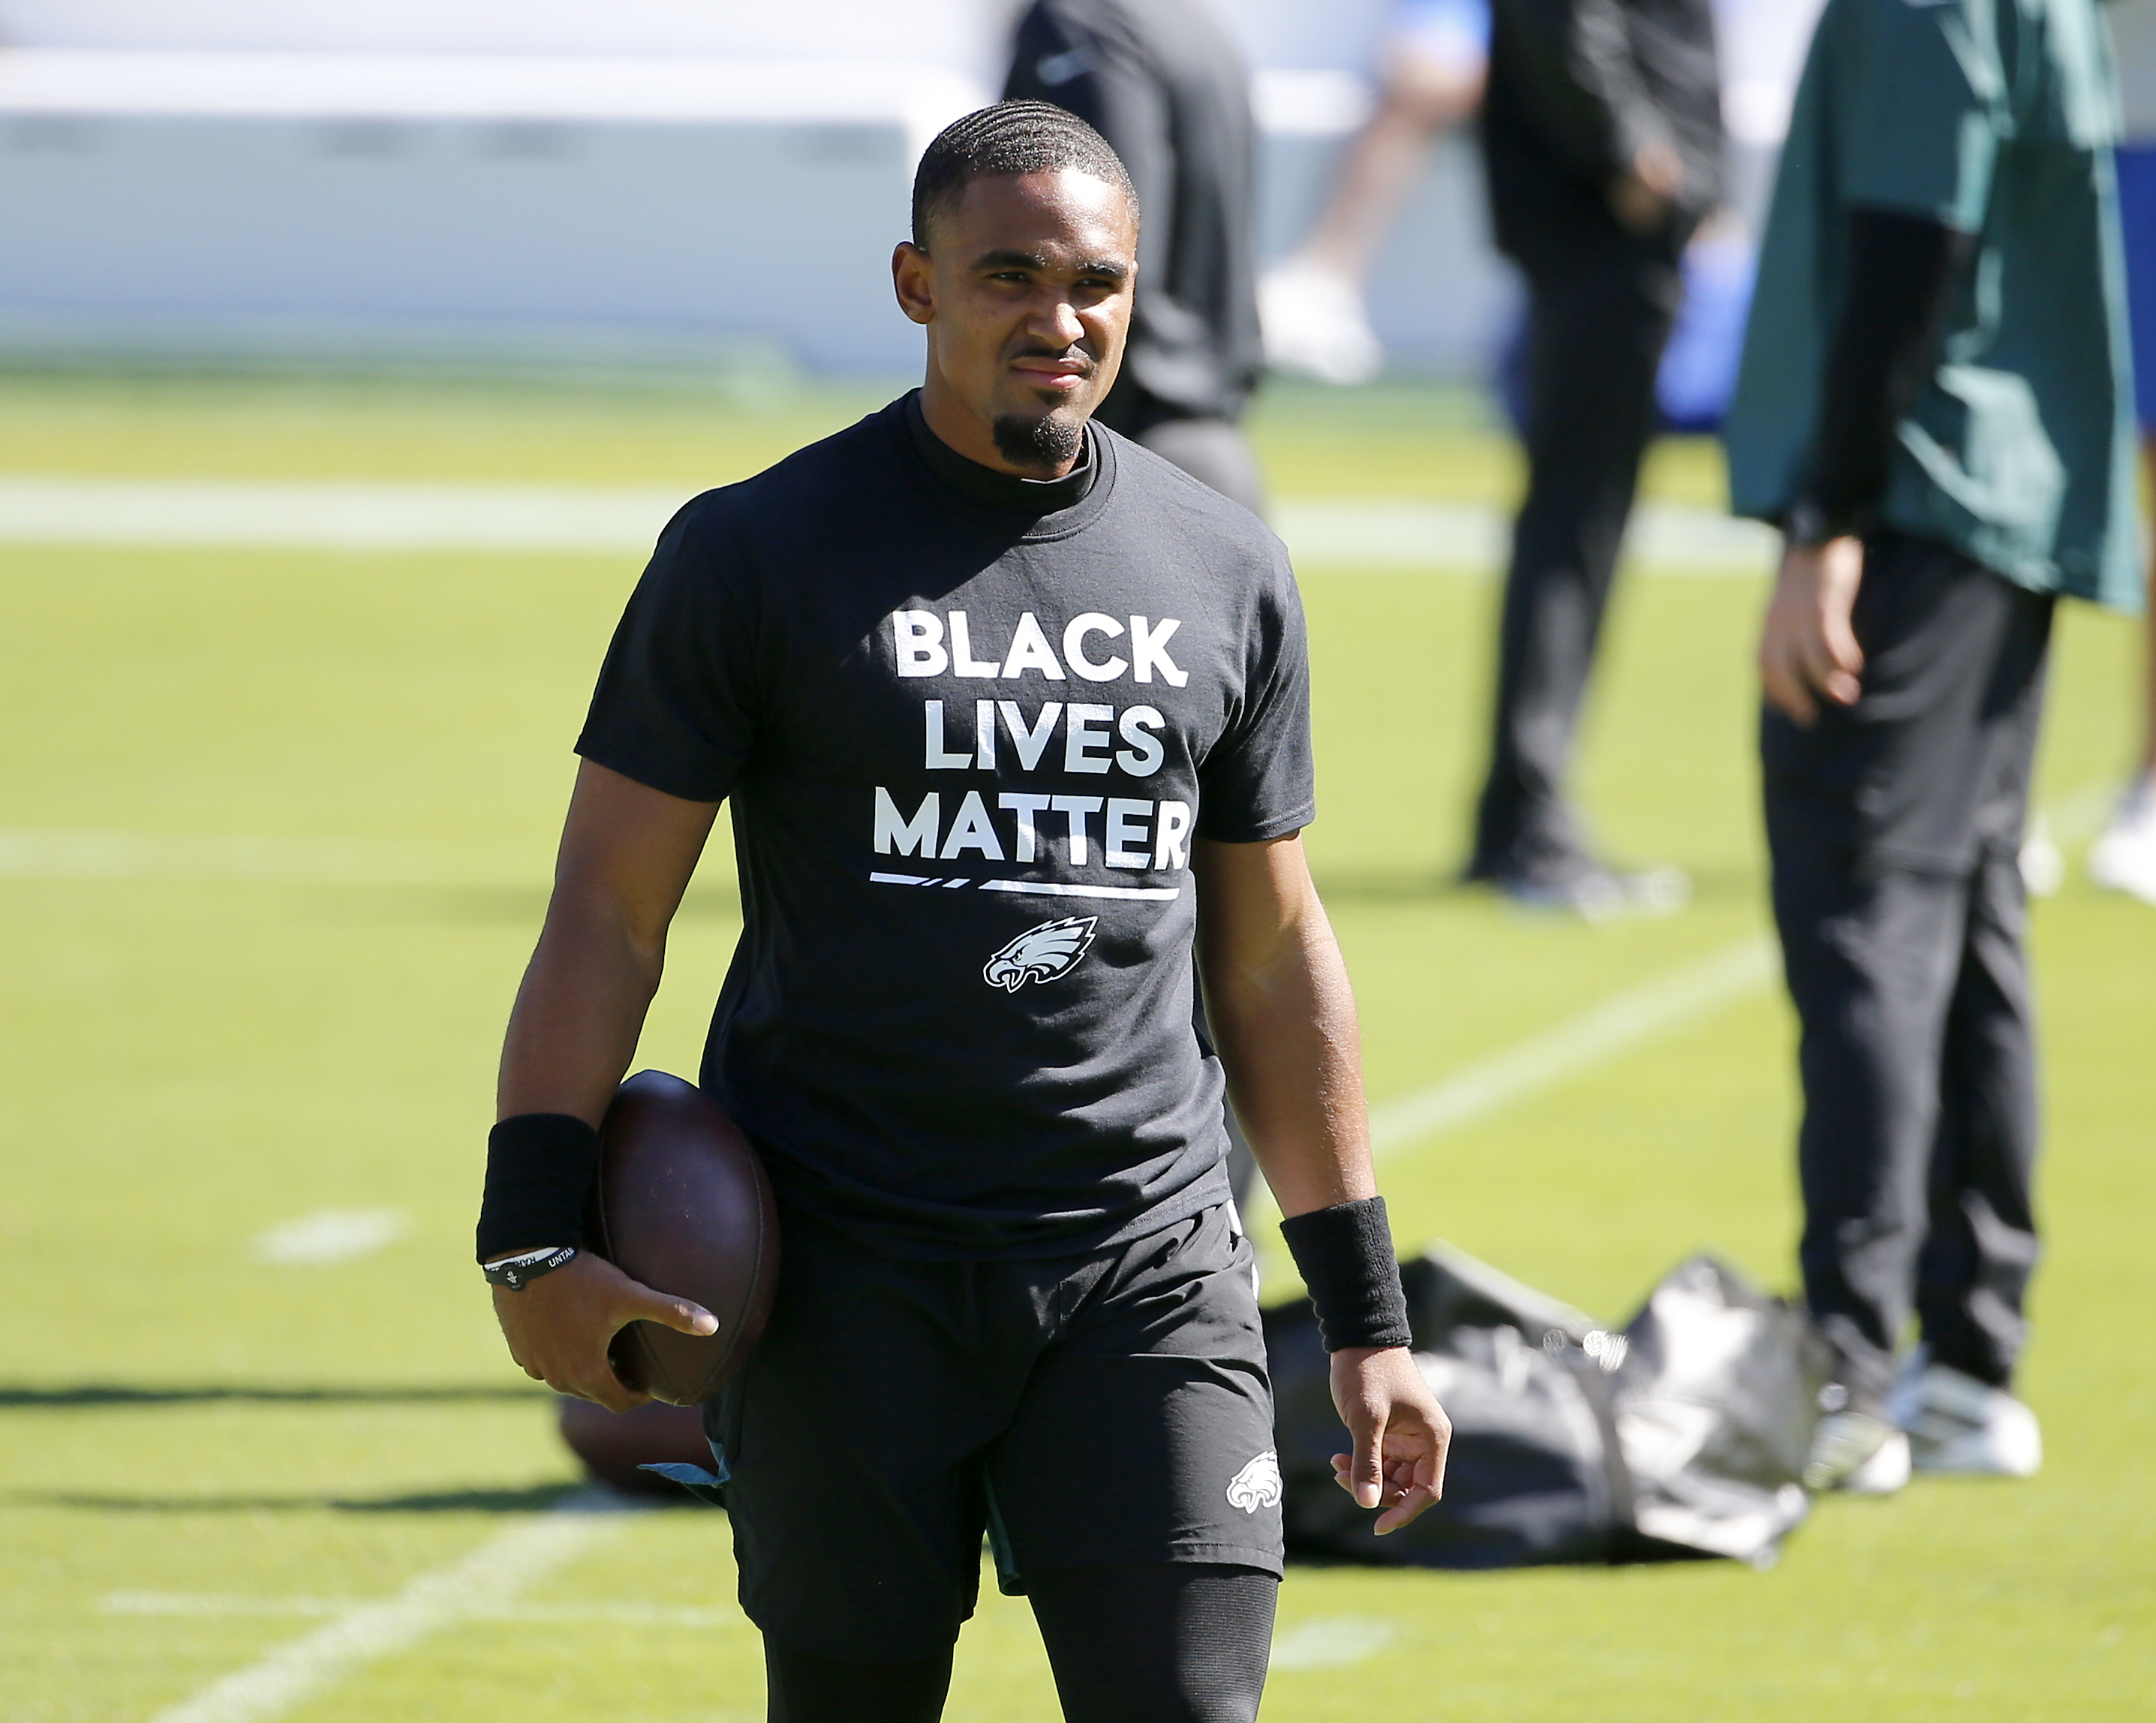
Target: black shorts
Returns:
[1083, 1412]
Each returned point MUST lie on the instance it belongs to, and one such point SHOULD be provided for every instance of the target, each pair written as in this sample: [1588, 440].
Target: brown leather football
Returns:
[615, 1445]
[681, 1203]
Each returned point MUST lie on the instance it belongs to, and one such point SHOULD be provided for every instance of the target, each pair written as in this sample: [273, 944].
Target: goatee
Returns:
[1045, 442]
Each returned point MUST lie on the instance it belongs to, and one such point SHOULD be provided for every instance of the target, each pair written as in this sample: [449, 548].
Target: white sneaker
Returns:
[1314, 323]
[1961, 1427]
[2124, 858]
[2043, 867]
[1858, 1453]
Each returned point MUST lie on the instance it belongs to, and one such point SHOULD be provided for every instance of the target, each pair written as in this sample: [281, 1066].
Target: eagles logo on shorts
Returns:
[1043, 953]
[1257, 1485]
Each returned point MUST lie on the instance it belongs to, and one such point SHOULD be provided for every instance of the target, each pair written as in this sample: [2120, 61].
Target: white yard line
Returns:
[1332, 1642]
[1328, 533]
[334, 516]
[1383, 532]
[188, 857]
[1595, 1036]
[1619, 1024]
[329, 1236]
[490, 1575]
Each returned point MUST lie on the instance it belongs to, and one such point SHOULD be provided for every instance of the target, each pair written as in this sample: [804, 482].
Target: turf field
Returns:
[275, 828]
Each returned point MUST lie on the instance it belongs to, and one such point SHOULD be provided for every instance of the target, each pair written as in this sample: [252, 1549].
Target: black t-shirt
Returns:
[970, 727]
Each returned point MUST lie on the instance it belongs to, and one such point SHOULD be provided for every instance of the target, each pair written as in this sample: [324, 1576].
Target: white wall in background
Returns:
[2134, 32]
[576, 176]
[1306, 35]
[953, 32]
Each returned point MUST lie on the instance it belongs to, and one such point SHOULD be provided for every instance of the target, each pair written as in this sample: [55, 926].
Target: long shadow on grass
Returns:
[533, 1499]
[127, 1394]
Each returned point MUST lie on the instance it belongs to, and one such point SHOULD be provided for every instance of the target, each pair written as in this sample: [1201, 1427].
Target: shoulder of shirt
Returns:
[777, 496]
[1202, 509]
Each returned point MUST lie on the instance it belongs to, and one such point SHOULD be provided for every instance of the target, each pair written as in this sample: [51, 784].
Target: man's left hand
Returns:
[1399, 1431]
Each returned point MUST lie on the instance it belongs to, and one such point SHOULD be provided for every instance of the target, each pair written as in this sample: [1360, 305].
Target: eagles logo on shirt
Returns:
[1041, 953]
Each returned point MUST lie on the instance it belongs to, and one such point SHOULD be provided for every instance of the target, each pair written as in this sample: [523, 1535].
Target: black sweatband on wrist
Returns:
[539, 1169]
[1345, 1256]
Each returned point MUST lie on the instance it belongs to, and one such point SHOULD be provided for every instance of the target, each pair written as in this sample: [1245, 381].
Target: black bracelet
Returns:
[520, 1271]
[1345, 1255]
[539, 1169]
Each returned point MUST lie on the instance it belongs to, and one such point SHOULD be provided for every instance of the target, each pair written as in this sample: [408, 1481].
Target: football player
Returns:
[1011, 715]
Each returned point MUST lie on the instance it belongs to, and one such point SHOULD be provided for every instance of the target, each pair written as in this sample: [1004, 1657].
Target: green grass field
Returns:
[191, 1057]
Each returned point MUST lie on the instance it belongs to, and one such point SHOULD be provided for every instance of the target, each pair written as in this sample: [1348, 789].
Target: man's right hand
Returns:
[1807, 650]
[559, 1326]
[1642, 197]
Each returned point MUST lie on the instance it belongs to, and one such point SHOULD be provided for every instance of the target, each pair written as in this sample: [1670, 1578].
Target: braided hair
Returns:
[1010, 137]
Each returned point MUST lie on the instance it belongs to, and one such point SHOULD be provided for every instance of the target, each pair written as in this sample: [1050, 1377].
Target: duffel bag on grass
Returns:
[1681, 1435]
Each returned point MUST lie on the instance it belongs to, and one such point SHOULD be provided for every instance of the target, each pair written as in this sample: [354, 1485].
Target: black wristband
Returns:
[539, 1168]
[1807, 525]
[1345, 1255]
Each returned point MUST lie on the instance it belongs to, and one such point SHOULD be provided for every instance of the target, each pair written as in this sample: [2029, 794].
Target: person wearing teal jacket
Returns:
[1935, 406]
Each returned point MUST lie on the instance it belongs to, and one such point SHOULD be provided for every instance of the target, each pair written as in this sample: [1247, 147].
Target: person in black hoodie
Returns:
[1602, 138]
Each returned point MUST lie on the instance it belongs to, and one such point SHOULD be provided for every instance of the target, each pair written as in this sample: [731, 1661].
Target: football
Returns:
[613, 1445]
[681, 1202]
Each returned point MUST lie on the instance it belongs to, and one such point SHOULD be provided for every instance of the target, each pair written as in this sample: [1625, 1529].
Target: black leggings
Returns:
[1162, 1643]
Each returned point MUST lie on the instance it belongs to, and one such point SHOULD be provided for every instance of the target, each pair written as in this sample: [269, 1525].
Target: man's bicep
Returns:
[634, 843]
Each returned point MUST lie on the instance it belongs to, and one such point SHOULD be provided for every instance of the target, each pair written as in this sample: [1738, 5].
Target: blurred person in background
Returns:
[1602, 140]
[1433, 64]
[2124, 857]
[1162, 82]
[1760, 45]
[1934, 405]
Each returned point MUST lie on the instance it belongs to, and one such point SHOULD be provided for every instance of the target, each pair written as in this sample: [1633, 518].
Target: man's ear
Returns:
[913, 279]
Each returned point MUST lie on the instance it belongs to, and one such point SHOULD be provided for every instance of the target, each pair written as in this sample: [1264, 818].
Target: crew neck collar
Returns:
[1004, 492]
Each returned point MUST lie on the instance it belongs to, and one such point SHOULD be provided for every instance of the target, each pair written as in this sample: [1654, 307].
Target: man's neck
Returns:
[958, 427]
[997, 490]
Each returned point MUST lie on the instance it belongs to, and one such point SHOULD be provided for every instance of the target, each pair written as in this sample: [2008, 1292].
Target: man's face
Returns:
[1025, 292]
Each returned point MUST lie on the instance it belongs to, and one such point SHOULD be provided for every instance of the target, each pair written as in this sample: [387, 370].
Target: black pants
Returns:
[1894, 828]
[1595, 335]
[1109, 1409]
[1155, 1643]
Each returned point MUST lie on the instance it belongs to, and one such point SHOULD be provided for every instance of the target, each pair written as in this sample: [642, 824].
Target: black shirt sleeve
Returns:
[1258, 782]
[1902, 270]
[676, 703]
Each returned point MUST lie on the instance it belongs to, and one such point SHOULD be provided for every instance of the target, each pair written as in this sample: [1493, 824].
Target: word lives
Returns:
[1073, 738]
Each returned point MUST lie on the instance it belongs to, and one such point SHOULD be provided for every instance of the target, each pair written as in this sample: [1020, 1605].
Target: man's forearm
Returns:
[1284, 1020]
[579, 1014]
[627, 853]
